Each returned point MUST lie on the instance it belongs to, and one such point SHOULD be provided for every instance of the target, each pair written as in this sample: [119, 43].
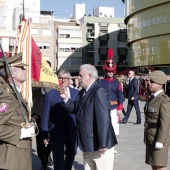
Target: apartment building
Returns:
[101, 33]
[11, 13]
[69, 45]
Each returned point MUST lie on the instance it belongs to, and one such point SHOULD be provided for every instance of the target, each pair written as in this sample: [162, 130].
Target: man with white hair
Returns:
[96, 137]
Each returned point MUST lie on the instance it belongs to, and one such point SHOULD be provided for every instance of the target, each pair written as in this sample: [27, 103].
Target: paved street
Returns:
[131, 149]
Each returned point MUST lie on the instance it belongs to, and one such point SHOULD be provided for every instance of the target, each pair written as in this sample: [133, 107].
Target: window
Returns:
[66, 36]
[46, 32]
[103, 43]
[103, 31]
[46, 45]
[39, 45]
[34, 31]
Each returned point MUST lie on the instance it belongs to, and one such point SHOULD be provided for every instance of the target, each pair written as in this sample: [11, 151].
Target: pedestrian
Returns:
[96, 137]
[157, 123]
[133, 97]
[114, 89]
[15, 140]
[58, 126]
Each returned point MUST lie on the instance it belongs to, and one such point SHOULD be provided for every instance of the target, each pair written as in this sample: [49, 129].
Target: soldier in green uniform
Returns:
[157, 123]
[15, 141]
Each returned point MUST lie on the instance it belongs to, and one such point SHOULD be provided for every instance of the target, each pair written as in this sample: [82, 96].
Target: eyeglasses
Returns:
[63, 78]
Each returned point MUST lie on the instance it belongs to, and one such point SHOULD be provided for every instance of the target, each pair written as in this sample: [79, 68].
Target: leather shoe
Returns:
[123, 121]
[137, 123]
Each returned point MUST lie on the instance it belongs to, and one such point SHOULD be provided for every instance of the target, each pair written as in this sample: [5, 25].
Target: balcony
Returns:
[90, 49]
[122, 51]
[103, 37]
[101, 62]
[90, 35]
[102, 51]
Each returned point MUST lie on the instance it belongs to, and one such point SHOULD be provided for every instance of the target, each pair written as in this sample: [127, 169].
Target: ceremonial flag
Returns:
[42, 74]
[39, 73]
[24, 45]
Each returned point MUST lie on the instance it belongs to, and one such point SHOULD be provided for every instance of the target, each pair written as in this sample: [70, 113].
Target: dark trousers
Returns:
[42, 151]
[64, 152]
[130, 105]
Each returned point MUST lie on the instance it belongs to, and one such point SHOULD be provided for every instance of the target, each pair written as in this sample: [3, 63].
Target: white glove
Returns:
[27, 132]
[158, 145]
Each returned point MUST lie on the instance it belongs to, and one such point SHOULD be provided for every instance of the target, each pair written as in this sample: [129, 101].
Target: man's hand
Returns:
[64, 93]
[102, 150]
[158, 145]
[119, 112]
[46, 142]
[132, 98]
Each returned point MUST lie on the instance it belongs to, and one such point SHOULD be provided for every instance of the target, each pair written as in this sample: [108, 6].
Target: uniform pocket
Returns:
[5, 156]
[2, 150]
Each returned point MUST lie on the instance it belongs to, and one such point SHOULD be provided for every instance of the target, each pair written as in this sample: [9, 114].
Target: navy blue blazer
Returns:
[55, 120]
[133, 89]
[93, 119]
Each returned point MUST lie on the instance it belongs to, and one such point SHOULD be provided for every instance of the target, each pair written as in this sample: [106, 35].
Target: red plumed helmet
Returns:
[110, 64]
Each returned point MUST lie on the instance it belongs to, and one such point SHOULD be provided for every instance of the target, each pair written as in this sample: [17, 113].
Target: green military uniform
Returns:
[15, 153]
[157, 126]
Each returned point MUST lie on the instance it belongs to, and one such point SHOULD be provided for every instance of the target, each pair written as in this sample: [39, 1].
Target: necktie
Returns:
[151, 97]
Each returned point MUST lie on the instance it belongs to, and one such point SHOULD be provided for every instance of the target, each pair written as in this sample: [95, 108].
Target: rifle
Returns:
[26, 122]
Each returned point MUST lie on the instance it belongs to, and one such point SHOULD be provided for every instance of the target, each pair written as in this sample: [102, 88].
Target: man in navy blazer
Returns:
[133, 98]
[58, 126]
[96, 137]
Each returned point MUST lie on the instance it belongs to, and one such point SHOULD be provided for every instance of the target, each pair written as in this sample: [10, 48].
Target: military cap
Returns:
[109, 63]
[158, 77]
[14, 61]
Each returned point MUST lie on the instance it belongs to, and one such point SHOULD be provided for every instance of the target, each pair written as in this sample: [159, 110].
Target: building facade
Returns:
[148, 26]
[99, 34]
[69, 45]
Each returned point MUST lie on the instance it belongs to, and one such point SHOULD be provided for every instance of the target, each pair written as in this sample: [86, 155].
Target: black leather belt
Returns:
[151, 125]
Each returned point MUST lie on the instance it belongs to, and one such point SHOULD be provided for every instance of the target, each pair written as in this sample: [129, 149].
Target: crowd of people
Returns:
[85, 113]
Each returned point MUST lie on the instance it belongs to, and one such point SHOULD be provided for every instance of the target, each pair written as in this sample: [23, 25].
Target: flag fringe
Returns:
[46, 84]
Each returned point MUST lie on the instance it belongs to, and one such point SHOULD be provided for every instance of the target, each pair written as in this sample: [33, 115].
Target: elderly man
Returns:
[96, 136]
[15, 141]
[157, 123]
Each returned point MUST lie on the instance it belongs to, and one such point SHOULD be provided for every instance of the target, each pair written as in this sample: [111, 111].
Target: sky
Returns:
[64, 8]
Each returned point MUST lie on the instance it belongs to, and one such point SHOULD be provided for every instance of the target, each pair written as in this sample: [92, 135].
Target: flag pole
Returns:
[23, 8]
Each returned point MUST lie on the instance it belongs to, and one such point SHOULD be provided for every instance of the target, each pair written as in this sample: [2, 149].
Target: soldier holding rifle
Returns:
[15, 139]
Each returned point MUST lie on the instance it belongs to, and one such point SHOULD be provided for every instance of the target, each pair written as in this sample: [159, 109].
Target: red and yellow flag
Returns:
[42, 73]
[39, 73]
